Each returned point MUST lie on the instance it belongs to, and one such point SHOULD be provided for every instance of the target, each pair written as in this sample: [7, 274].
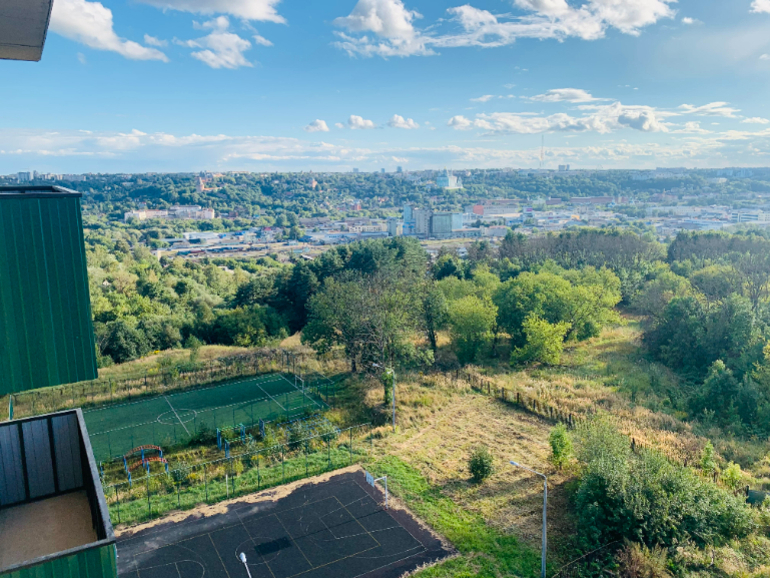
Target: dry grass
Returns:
[149, 363]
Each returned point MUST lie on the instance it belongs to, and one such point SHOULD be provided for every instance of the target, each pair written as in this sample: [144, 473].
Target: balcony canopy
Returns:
[23, 26]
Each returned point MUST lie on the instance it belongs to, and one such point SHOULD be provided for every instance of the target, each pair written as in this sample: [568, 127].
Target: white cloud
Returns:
[691, 128]
[264, 10]
[339, 125]
[399, 121]
[90, 23]
[391, 24]
[359, 123]
[389, 20]
[262, 41]
[711, 109]
[755, 120]
[760, 6]
[82, 58]
[690, 21]
[765, 57]
[485, 98]
[153, 41]
[136, 150]
[220, 49]
[317, 125]
[602, 119]
[564, 95]
[459, 122]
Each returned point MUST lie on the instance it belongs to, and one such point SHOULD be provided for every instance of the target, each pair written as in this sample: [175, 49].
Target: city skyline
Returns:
[162, 85]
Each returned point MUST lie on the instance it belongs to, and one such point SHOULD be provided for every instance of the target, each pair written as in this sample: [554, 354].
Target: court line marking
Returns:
[293, 540]
[177, 415]
[253, 542]
[271, 397]
[420, 548]
[218, 554]
[300, 390]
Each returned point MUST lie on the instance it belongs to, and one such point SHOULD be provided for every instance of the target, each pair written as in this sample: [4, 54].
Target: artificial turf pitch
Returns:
[337, 528]
[168, 419]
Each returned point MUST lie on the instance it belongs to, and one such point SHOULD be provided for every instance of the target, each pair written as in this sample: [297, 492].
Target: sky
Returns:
[289, 85]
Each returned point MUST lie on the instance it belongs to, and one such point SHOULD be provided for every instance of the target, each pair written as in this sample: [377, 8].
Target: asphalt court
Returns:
[333, 529]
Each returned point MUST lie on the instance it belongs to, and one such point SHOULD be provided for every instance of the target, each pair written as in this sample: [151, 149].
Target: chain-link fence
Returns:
[147, 382]
[186, 486]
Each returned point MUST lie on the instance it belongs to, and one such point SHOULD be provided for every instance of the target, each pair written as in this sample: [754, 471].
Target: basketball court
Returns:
[339, 528]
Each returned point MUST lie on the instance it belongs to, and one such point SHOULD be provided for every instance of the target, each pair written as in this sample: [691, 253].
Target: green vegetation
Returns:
[481, 464]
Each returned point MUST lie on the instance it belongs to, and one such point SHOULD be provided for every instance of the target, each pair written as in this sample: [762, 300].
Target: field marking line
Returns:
[177, 415]
[300, 390]
[376, 541]
[218, 555]
[265, 562]
[270, 396]
[309, 563]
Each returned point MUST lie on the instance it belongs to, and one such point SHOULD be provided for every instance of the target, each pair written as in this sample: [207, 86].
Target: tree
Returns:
[544, 341]
[435, 311]
[561, 445]
[471, 320]
[708, 460]
[125, 342]
[372, 316]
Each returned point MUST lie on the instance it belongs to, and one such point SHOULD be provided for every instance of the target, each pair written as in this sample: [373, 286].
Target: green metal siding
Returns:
[46, 330]
[95, 563]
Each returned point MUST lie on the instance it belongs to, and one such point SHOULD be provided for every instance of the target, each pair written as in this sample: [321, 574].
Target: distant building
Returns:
[24, 177]
[449, 181]
[563, 168]
[400, 170]
[382, 170]
[355, 170]
[200, 186]
[176, 212]
[592, 200]
[750, 217]
[395, 228]
[422, 222]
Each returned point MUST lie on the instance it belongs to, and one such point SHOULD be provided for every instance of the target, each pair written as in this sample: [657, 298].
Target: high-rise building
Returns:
[449, 181]
[355, 170]
[24, 177]
[400, 170]
[563, 168]
[395, 228]
[422, 222]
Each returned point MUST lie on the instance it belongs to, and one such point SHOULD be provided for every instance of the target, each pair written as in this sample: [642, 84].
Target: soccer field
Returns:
[169, 419]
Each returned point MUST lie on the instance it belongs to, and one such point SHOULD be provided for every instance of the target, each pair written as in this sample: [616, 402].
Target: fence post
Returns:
[283, 467]
[350, 447]
[149, 503]
[117, 499]
[259, 475]
[206, 483]
[178, 500]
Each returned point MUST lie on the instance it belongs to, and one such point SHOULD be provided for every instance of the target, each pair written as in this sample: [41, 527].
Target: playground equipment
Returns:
[224, 442]
[148, 454]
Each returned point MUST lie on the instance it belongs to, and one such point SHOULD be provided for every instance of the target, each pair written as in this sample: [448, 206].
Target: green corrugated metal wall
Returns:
[96, 563]
[46, 331]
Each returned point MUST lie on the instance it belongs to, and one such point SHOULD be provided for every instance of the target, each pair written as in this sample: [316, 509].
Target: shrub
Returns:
[708, 460]
[644, 498]
[561, 445]
[638, 561]
[545, 341]
[481, 464]
[732, 476]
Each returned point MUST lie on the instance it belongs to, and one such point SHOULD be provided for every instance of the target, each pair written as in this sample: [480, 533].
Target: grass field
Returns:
[170, 419]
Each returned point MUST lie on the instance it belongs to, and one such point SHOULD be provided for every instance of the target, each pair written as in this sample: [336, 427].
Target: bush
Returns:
[561, 445]
[545, 341]
[638, 561]
[644, 498]
[481, 464]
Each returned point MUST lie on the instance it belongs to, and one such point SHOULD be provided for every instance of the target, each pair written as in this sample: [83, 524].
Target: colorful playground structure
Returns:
[148, 454]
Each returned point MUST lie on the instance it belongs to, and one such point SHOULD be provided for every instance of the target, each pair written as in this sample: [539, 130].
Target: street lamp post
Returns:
[393, 392]
[545, 508]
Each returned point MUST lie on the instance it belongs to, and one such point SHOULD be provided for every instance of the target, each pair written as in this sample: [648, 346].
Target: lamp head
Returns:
[243, 557]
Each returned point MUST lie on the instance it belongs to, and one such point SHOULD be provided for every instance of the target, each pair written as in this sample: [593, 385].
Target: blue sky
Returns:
[186, 85]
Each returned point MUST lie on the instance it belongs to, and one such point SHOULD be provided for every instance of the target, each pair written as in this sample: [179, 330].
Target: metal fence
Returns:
[590, 564]
[178, 376]
[187, 486]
